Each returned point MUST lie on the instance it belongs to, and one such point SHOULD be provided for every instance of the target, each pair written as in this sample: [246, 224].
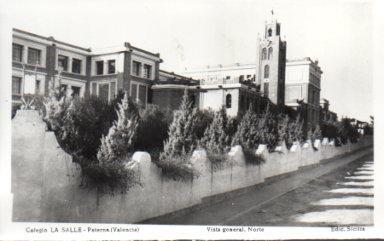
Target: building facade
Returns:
[230, 86]
[237, 86]
[303, 87]
[37, 60]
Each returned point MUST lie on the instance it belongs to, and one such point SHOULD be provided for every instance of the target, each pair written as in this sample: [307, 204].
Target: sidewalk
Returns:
[225, 212]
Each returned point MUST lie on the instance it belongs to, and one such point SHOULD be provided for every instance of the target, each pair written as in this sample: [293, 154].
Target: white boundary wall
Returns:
[47, 185]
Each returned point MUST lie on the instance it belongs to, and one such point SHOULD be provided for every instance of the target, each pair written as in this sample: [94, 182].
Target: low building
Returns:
[232, 87]
[168, 90]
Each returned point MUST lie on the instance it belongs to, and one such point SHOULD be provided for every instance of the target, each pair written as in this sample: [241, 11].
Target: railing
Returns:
[220, 81]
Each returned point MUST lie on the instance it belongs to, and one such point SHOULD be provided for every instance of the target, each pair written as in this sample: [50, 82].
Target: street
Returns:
[337, 192]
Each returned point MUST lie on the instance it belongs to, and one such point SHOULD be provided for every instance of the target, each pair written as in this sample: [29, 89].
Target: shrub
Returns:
[294, 132]
[174, 160]
[246, 133]
[267, 127]
[282, 128]
[329, 130]
[181, 133]
[109, 177]
[348, 131]
[251, 157]
[215, 140]
[204, 118]
[55, 107]
[79, 125]
[153, 128]
[119, 141]
[177, 168]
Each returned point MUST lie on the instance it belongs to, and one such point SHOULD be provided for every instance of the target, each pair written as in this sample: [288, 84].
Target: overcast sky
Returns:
[190, 34]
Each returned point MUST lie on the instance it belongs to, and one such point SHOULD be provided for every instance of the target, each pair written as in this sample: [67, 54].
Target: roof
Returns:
[128, 45]
[51, 39]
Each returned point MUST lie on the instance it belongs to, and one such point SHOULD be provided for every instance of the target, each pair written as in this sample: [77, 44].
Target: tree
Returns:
[282, 128]
[181, 133]
[294, 132]
[317, 134]
[215, 138]
[54, 104]
[246, 134]
[119, 140]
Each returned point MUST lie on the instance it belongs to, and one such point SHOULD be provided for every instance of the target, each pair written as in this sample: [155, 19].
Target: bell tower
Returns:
[270, 63]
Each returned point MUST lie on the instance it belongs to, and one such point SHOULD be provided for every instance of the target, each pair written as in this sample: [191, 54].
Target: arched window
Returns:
[264, 54]
[269, 32]
[270, 53]
[228, 101]
[266, 72]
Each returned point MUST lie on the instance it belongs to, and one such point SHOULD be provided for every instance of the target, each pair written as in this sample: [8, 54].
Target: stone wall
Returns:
[47, 185]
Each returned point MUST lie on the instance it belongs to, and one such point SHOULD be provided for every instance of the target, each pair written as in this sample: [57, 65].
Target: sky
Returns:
[192, 34]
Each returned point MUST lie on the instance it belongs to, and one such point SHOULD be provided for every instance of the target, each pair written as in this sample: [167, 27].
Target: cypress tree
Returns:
[215, 138]
[246, 134]
[119, 140]
[181, 133]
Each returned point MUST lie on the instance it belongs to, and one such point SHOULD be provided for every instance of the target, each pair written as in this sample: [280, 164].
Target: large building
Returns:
[237, 86]
[303, 86]
[37, 60]
[296, 84]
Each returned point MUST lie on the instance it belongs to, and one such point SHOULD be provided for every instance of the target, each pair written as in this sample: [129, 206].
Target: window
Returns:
[16, 85]
[99, 67]
[136, 68]
[111, 66]
[241, 78]
[34, 56]
[113, 90]
[76, 66]
[270, 53]
[134, 92]
[104, 91]
[266, 89]
[269, 32]
[62, 62]
[75, 91]
[17, 52]
[266, 72]
[37, 87]
[64, 89]
[147, 71]
[228, 77]
[248, 76]
[142, 95]
[94, 88]
[264, 54]
[228, 101]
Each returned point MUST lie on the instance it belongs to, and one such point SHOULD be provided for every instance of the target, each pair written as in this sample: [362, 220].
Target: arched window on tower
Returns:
[264, 54]
[269, 32]
[266, 72]
[270, 53]
[228, 101]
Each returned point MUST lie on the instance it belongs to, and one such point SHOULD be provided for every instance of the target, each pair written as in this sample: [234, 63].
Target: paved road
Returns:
[336, 192]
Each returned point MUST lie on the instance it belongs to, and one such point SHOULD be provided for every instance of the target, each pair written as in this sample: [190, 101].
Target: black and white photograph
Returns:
[233, 116]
